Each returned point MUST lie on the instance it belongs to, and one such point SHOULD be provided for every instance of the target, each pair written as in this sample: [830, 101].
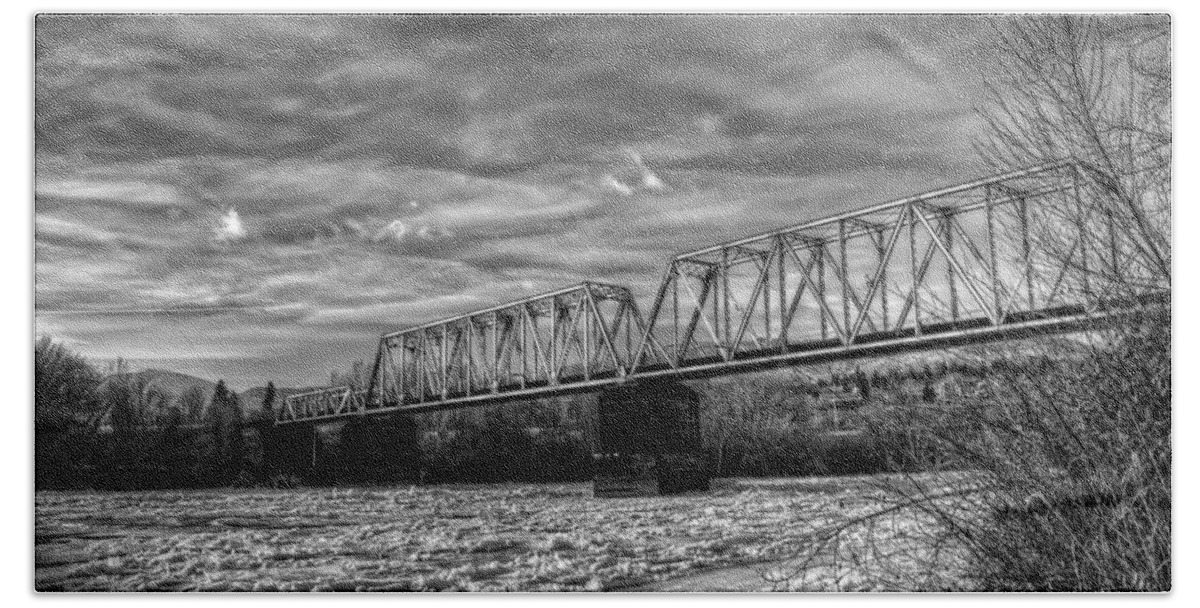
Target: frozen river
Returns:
[518, 537]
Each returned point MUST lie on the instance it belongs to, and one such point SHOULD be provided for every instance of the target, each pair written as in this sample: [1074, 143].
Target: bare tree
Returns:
[65, 386]
[67, 408]
[752, 422]
[1096, 89]
[191, 403]
[1068, 456]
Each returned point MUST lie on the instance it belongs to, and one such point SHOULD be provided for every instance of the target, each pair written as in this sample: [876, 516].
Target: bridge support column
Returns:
[316, 446]
[647, 441]
[383, 449]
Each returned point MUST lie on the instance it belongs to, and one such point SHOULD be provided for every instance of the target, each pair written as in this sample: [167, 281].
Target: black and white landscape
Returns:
[793, 302]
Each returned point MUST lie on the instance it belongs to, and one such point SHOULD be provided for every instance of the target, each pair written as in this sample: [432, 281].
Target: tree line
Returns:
[117, 430]
[120, 431]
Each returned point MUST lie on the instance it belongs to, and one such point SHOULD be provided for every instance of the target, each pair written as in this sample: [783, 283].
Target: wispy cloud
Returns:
[312, 180]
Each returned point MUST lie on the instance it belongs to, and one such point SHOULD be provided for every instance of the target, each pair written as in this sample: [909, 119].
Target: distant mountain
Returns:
[173, 385]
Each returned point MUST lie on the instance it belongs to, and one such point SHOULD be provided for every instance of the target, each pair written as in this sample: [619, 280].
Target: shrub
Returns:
[1069, 485]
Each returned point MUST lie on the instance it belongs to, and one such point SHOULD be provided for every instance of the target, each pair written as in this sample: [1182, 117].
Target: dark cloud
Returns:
[258, 196]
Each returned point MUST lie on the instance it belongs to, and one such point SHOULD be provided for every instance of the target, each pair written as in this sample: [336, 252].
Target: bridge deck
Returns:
[944, 335]
[1023, 253]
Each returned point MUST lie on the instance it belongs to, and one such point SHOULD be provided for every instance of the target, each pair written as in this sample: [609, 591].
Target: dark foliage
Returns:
[541, 441]
[756, 425]
[66, 409]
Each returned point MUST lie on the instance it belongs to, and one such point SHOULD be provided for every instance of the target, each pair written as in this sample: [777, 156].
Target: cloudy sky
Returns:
[259, 197]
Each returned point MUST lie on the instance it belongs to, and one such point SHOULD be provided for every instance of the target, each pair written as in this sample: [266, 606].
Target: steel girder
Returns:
[1026, 250]
[1000, 250]
[577, 334]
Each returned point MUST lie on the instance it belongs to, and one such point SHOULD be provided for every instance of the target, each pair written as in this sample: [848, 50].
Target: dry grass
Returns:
[1073, 491]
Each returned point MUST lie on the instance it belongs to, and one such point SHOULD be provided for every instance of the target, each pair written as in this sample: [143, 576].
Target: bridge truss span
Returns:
[556, 341]
[996, 251]
[1032, 250]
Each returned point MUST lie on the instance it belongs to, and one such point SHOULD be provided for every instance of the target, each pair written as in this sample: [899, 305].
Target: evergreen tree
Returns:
[131, 401]
[225, 428]
[235, 455]
[172, 455]
[264, 424]
[125, 396]
[268, 402]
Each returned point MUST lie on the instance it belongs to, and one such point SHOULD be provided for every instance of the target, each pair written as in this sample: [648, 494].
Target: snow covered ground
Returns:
[744, 535]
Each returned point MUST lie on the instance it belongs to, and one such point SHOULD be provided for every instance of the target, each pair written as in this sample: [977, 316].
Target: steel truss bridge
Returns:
[1017, 254]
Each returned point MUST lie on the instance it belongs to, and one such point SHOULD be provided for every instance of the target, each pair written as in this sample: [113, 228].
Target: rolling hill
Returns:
[173, 385]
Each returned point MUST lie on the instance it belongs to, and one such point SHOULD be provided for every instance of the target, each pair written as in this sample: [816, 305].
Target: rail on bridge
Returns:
[1024, 251]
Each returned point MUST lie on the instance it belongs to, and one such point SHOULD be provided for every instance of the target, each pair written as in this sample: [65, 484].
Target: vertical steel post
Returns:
[524, 344]
[821, 288]
[424, 369]
[587, 334]
[460, 343]
[470, 354]
[674, 278]
[766, 298]
[725, 327]
[883, 260]
[444, 364]
[845, 280]
[494, 354]
[403, 384]
[553, 363]
[946, 220]
[713, 282]
[626, 311]
[995, 268]
[916, 276]
[782, 293]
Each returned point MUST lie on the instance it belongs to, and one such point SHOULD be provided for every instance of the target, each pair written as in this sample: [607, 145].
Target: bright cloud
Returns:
[229, 227]
[543, 150]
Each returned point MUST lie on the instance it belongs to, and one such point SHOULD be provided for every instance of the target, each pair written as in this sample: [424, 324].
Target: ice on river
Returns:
[515, 537]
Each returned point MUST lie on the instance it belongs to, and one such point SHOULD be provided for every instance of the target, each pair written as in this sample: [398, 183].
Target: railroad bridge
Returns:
[1011, 255]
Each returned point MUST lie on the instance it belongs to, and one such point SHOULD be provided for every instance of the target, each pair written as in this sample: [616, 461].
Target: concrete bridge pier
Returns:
[647, 440]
